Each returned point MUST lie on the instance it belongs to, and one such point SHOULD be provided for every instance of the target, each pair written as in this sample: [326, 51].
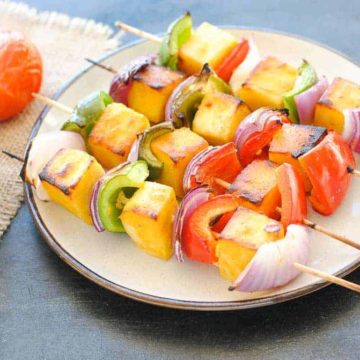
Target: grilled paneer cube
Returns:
[148, 218]
[245, 232]
[342, 94]
[175, 150]
[218, 117]
[207, 44]
[69, 178]
[292, 141]
[256, 187]
[114, 133]
[266, 84]
[150, 90]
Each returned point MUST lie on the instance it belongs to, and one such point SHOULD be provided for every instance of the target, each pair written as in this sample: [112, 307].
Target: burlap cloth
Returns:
[63, 43]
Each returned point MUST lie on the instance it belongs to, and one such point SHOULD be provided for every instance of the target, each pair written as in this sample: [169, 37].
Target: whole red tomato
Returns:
[20, 72]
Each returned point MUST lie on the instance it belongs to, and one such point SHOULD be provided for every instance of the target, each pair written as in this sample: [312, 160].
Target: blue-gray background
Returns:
[335, 23]
[47, 311]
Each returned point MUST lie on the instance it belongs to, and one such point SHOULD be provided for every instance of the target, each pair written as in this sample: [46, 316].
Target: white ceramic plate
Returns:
[112, 260]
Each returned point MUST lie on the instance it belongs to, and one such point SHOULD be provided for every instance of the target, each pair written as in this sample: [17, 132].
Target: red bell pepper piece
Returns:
[293, 197]
[257, 142]
[218, 227]
[327, 165]
[219, 162]
[198, 241]
[233, 60]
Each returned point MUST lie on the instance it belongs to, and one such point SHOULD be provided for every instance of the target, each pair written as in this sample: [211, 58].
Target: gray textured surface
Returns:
[47, 311]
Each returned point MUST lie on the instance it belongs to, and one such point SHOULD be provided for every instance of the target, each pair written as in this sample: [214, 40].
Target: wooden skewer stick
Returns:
[327, 232]
[222, 183]
[53, 103]
[308, 223]
[102, 66]
[335, 236]
[13, 156]
[331, 278]
[138, 32]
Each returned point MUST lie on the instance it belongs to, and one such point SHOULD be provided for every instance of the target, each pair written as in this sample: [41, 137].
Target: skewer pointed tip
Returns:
[140, 33]
[102, 66]
[13, 156]
[353, 171]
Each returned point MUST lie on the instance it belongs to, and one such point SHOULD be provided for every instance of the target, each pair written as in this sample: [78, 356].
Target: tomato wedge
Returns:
[233, 60]
[326, 165]
[214, 162]
[293, 197]
[198, 241]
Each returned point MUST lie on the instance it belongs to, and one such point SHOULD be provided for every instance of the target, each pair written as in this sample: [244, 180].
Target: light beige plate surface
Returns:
[112, 260]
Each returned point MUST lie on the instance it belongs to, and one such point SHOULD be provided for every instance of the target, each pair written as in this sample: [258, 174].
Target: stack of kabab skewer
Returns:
[202, 151]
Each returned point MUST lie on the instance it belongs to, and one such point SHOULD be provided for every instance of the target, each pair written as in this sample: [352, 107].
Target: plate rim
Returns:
[96, 278]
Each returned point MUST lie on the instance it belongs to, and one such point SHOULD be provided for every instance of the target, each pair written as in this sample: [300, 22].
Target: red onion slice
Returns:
[121, 82]
[195, 162]
[213, 162]
[255, 123]
[134, 150]
[351, 133]
[272, 266]
[244, 69]
[43, 147]
[189, 203]
[306, 101]
[94, 209]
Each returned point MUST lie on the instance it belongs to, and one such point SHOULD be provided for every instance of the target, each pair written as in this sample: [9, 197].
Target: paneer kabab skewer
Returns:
[85, 171]
[309, 99]
[335, 106]
[250, 251]
[188, 50]
[172, 178]
[185, 50]
[233, 245]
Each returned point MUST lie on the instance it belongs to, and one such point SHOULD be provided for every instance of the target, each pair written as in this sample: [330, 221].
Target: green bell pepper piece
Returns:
[306, 79]
[87, 112]
[145, 153]
[178, 33]
[117, 190]
[188, 100]
[215, 83]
